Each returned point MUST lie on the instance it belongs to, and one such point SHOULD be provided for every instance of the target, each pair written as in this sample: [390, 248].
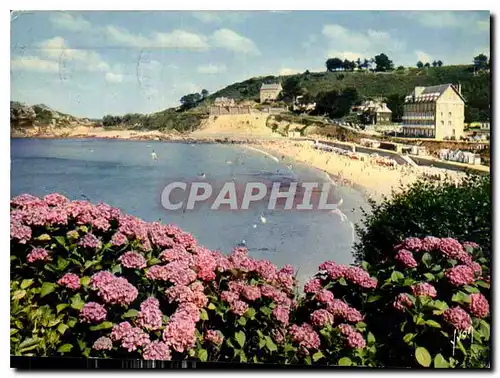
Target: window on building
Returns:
[449, 114]
[442, 123]
[441, 114]
[449, 123]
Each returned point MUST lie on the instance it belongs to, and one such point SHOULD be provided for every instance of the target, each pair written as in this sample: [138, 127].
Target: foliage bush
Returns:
[441, 209]
[91, 281]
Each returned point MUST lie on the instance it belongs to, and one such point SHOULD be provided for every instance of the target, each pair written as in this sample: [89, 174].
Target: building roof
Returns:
[274, 86]
[431, 94]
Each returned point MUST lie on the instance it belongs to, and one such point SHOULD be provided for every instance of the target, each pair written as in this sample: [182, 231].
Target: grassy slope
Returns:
[476, 89]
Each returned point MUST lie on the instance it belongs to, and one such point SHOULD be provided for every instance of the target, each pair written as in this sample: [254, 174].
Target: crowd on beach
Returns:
[378, 175]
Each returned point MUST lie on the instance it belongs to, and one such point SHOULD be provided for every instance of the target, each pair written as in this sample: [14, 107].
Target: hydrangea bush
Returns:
[88, 280]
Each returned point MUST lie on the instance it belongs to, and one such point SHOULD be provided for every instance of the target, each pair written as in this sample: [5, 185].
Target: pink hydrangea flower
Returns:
[238, 307]
[150, 317]
[430, 243]
[101, 224]
[305, 336]
[117, 291]
[252, 293]
[70, 280]
[197, 286]
[278, 336]
[187, 310]
[223, 263]
[103, 343]
[313, 286]
[352, 337]
[240, 260]
[120, 330]
[342, 310]
[177, 253]
[460, 275]
[20, 232]
[325, 296]
[37, 254]
[360, 277]
[134, 338]
[450, 247]
[90, 241]
[402, 302]
[281, 314]
[479, 306]
[229, 296]
[333, 269]
[176, 272]
[55, 199]
[458, 318]
[118, 239]
[180, 334]
[476, 267]
[412, 244]
[159, 236]
[93, 312]
[214, 337]
[101, 278]
[157, 350]
[424, 289]
[321, 317]
[406, 258]
[133, 260]
[266, 269]
[179, 294]
[470, 244]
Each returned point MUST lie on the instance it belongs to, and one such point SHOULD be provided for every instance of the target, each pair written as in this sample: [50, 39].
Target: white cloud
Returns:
[423, 57]
[70, 22]
[232, 41]
[341, 42]
[219, 17]
[288, 71]
[176, 39]
[448, 19]
[114, 78]
[211, 68]
[33, 63]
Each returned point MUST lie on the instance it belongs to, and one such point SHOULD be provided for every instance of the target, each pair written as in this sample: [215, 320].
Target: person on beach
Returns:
[153, 155]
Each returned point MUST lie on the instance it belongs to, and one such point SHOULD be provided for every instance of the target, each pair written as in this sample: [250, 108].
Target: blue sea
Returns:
[123, 174]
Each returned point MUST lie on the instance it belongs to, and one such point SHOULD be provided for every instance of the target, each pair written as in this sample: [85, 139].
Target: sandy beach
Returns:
[377, 181]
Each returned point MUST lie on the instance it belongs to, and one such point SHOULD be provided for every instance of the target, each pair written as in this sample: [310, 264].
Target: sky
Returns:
[89, 64]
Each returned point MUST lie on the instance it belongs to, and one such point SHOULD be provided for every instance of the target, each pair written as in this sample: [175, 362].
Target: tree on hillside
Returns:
[204, 93]
[427, 65]
[383, 63]
[395, 102]
[292, 88]
[348, 65]
[334, 64]
[190, 101]
[419, 64]
[440, 63]
[359, 64]
[401, 68]
[480, 62]
[336, 104]
[434, 64]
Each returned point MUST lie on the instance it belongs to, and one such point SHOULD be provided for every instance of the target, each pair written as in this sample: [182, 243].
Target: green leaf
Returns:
[47, 288]
[71, 322]
[440, 362]
[408, 338]
[318, 355]
[365, 265]
[103, 325]
[433, 323]
[423, 357]
[203, 314]
[460, 297]
[270, 344]
[62, 264]
[240, 338]
[483, 284]
[86, 352]
[65, 348]
[29, 342]
[203, 355]
[345, 361]
[243, 357]
[250, 313]
[85, 280]
[262, 342]
[373, 298]
[397, 276]
[242, 321]
[154, 261]
[132, 313]
[26, 283]
[471, 289]
[61, 241]
[211, 306]
[370, 338]
[116, 269]
[342, 281]
[18, 294]
[427, 259]
[484, 329]
[266, 310]
[76, 302]
[61, 307]
[307, 360]
[62, 328]
[429, 276]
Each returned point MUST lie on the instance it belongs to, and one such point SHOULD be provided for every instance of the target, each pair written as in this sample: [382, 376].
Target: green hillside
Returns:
[390, 85]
